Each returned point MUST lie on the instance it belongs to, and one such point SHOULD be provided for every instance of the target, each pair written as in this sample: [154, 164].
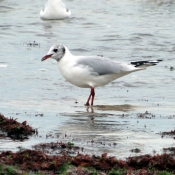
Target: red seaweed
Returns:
[32, 160]
[14, 129]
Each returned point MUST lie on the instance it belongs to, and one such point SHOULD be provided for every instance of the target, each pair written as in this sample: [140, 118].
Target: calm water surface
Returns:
[127, 30]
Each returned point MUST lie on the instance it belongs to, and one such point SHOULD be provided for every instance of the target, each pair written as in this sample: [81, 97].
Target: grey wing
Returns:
[100, 65]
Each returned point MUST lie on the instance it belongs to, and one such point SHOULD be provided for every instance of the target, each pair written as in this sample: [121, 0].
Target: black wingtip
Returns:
[147, 62]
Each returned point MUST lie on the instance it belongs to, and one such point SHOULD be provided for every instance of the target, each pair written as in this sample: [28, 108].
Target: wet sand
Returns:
[115, 129]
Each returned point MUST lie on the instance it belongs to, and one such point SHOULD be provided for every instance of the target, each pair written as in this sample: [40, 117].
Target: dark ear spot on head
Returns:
[64, 50]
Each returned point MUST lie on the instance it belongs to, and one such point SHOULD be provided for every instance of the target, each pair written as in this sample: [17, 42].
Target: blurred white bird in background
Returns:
[55, 9]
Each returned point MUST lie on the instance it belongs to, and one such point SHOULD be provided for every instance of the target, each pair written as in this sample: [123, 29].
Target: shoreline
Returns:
[40, 159]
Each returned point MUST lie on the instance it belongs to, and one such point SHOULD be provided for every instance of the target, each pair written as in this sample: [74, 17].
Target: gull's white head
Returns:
[56, 52]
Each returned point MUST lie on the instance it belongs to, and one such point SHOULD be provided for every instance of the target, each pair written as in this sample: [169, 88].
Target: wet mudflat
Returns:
[110, 130]
[65, 157]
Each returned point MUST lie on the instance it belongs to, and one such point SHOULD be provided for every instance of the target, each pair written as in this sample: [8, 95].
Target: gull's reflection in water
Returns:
[93, 112]
[90, 109]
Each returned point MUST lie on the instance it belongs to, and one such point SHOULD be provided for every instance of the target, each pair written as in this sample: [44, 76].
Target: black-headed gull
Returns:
[55, 9]
[92, 71]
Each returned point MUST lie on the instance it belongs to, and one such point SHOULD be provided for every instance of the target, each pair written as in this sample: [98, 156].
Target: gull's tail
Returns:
[144, 64]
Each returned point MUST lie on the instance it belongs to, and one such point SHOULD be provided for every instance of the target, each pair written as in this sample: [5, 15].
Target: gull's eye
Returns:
[55, 50]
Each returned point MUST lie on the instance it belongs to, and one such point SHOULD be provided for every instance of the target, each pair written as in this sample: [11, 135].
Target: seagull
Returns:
[92, 71]
[55, 9]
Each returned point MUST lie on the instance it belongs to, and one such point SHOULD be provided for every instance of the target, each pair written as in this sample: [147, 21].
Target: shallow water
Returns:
[127, 30]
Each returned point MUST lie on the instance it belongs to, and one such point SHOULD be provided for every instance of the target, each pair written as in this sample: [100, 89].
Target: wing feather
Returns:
[100, 65]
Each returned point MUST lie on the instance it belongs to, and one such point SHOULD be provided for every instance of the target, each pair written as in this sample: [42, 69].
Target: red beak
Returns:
[46, 57]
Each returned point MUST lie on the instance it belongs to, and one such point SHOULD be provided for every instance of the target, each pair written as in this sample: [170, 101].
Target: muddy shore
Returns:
[68, 158]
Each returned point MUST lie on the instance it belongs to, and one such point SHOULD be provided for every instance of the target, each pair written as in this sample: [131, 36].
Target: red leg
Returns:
[87, 103]
[91, 94]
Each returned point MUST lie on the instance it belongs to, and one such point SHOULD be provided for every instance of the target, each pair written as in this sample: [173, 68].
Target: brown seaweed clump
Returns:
[58, 148]
[172, 132]
[14, 129]
[32, 160]
[159, 162]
